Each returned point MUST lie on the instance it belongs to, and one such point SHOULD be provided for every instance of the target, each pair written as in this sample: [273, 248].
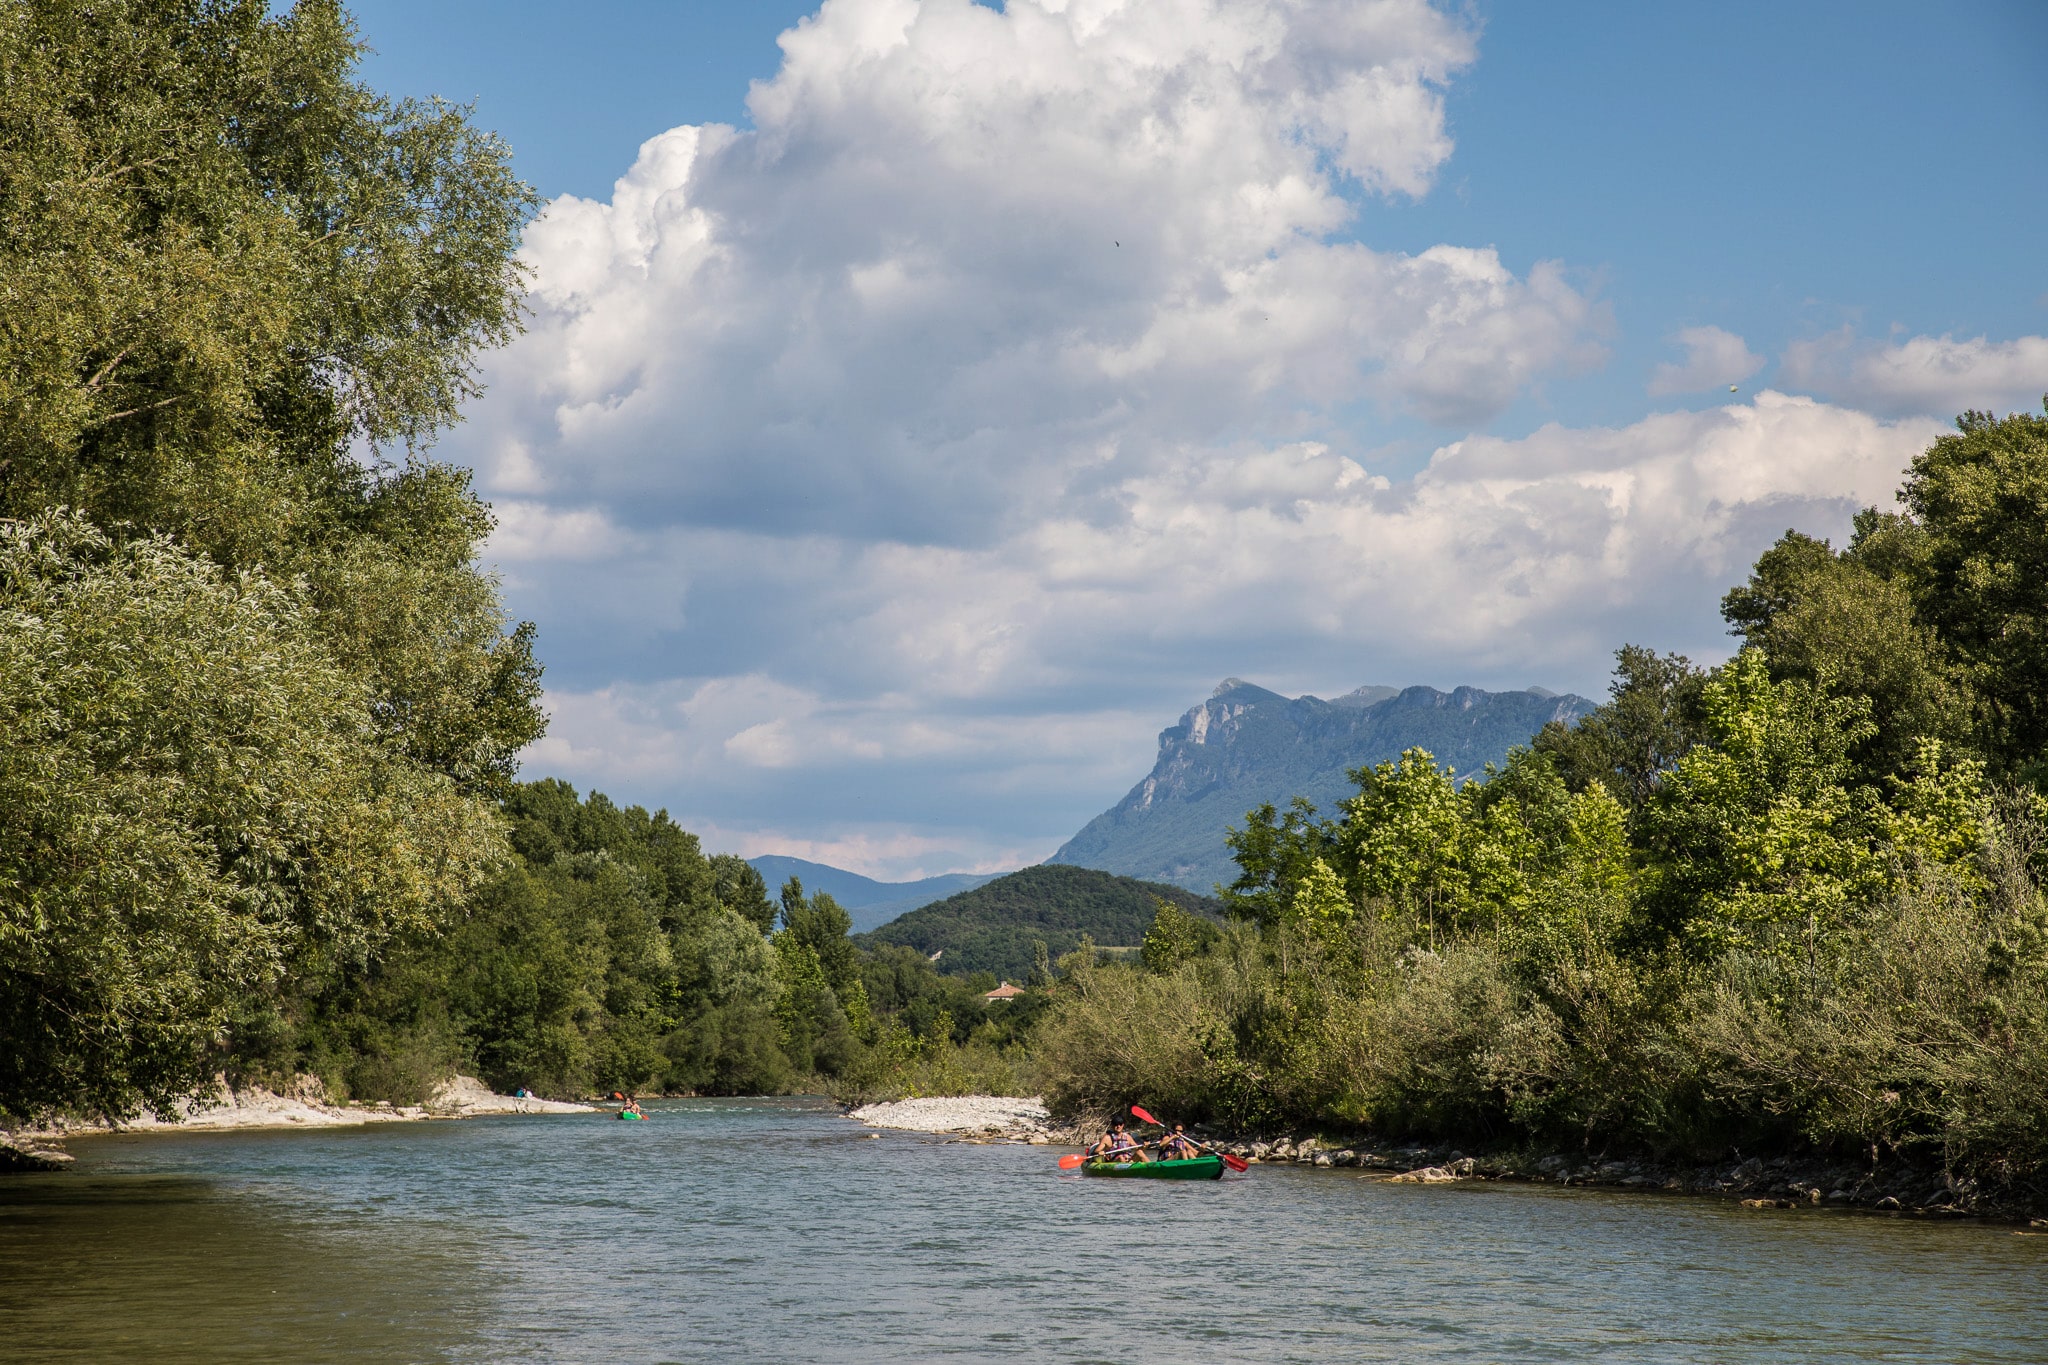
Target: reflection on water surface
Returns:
[768, 1230]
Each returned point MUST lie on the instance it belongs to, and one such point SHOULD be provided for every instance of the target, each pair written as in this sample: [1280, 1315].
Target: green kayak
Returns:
[1195, 1168]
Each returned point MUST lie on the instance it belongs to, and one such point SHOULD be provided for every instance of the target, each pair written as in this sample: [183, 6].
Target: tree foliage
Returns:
[198, 808]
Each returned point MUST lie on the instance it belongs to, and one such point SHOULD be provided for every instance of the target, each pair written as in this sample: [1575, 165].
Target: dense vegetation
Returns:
[611, 954]
[1014, 926]
[1792, 901]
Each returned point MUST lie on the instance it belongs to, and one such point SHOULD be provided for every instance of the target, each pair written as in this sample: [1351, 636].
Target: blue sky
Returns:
[846, 541]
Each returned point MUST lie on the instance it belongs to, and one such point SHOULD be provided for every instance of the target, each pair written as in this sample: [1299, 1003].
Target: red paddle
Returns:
[1235, 1163]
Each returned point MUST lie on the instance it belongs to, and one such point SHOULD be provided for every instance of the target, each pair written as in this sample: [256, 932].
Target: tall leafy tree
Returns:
[1755, 838]
[239, 293]
[1848, 623]
[1649, 719]
[227, 269]
[1978, 500]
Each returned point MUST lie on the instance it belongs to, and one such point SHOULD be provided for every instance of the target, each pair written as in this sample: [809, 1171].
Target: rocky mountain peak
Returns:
[1246, 745]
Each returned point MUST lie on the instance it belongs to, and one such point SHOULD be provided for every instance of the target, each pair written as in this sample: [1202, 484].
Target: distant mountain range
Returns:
[867, 902]
[1242, 747]
[991, 928]
[1245, 746]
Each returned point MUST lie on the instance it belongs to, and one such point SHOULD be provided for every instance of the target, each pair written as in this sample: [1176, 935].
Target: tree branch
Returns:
[130, 412]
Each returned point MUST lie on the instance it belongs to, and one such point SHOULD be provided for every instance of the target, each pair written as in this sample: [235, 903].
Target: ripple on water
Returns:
[759, 1229]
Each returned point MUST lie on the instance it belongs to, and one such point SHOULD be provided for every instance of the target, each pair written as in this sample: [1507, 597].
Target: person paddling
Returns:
[1117, 1145]
[1178, 1146]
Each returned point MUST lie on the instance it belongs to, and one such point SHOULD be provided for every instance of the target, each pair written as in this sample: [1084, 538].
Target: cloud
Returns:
[1712, 358]
[1939, 375]
[972, 261]
[883, 477]
[992, 697]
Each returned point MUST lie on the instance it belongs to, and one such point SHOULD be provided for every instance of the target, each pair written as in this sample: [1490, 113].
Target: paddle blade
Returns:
[1069, 1162]
[1144, 1117]
[1235, 1163]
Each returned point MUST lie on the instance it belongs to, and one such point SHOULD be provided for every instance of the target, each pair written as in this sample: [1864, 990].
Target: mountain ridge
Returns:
[1247, 745]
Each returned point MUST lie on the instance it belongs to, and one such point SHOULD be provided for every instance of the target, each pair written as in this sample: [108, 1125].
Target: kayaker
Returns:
[1117, 1145]
[1178, 1146]
[633, 1109]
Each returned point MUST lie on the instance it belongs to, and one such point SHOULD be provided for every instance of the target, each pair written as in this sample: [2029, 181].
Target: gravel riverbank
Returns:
[989, 1118]
[1781, 1182]
[303, 1104]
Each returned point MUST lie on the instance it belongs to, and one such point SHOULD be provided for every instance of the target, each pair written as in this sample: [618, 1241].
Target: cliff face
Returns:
[1245, 746]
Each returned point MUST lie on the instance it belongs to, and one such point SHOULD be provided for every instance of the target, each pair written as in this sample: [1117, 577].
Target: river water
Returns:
[775, 1230]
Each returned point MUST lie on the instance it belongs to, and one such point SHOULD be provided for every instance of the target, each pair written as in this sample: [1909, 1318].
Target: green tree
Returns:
[198, 808]
[821, 925]
[741, 889]
[1175, 937]
[1632, 739]
[225, 264]
[1401, 839]
[1978, 570]
[1834, 620]
[1755, 839]
[1275, 853]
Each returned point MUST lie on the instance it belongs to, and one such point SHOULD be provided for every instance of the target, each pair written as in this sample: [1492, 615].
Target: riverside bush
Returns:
[1926, 1034]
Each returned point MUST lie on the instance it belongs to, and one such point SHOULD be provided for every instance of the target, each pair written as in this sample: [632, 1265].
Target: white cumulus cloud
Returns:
[1002, 693]
[885, 475]
[972, 260]
[1712, 358]
[1945, 375]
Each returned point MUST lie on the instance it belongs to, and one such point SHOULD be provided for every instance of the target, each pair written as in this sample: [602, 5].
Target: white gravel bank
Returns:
[1007, 1115]
[305, 1105]
[465, 1096]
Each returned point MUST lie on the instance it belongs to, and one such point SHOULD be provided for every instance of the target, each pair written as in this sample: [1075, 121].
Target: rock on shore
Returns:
[1782, 1182]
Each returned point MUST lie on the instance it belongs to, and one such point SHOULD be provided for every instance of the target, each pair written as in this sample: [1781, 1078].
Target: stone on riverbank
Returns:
[1428, 1175]
[19, 1155]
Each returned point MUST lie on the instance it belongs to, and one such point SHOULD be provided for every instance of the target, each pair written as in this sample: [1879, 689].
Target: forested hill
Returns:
[1245, 746]
[994, 928]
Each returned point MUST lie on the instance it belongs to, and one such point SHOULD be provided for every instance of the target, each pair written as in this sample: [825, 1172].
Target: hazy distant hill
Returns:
[990, 929]
[866, 901]
[1246, 746]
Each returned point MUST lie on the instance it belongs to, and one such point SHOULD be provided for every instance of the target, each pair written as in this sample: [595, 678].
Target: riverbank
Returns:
[303, 1103]
[1781, 1182]
[1777, 1182]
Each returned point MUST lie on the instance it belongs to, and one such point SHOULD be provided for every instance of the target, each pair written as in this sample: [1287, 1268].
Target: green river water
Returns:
[775, 1230]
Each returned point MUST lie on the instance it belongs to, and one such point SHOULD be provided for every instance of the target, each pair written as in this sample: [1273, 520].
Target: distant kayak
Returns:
[624, 1115]
[1194, 1168]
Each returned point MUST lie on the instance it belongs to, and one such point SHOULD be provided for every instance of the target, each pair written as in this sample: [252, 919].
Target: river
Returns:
[775, 1230]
